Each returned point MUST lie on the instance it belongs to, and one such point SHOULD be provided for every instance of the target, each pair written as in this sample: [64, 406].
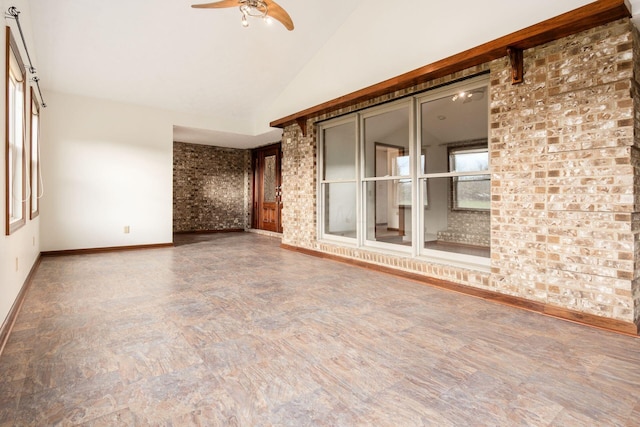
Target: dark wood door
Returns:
[267, 184]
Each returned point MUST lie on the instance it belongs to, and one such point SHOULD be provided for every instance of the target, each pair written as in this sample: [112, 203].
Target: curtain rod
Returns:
[13, 13]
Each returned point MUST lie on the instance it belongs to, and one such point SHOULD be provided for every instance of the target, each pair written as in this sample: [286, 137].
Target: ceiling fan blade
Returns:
[277, 12]
[217, 4]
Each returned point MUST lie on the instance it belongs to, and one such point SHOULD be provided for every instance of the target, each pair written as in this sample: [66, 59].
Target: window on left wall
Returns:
[15, 97]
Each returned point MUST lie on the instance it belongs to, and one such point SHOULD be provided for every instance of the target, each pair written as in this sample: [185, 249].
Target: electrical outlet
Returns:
[127, 229]
[34, 240]
[16, 263]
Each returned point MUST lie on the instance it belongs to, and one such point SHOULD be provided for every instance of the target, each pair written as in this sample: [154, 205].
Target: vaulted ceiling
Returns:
[164, 54]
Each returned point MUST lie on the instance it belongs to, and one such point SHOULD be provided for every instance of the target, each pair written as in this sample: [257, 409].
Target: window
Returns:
[387, 175]
[455, 179]
[413, 176]
[15, 130]
[34, 176]
[470, 191]
[338, 180]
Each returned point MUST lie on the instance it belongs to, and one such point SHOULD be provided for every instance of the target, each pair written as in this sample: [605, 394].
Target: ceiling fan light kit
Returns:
[265, 9]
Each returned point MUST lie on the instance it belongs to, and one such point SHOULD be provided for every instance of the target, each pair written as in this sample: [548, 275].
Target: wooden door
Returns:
[267, 195]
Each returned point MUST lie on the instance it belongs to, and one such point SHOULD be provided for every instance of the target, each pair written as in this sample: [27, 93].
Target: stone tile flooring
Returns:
[229, 330]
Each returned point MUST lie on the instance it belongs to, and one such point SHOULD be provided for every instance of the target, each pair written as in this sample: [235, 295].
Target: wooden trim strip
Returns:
[592, 15]
[7, 326]
[108, 249]
[614, 325]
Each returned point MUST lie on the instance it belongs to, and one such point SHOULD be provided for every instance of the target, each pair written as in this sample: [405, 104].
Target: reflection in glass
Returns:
[389, 211]
[386, 138]
[455, 202]
[472, 192]
[36, 190]
[433, 144]
[339, 152]
[340, 209]
[450, 230]
[469, 160]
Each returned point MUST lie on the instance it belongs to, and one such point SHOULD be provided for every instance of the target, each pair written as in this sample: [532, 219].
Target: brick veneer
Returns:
[210, 188]
[565, 174]
[299, 188]
[467, 228]
[562, 183]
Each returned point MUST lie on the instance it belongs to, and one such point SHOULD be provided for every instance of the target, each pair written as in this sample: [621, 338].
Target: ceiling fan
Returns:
[257, 8]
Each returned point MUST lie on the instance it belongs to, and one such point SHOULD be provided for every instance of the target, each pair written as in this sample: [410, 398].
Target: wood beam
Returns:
[516, 58]
[592, 15]
[302, 122]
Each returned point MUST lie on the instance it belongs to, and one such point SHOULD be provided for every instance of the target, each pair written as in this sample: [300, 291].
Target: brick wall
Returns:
[467, 228]
[210, 188]
[299, 187]
[635, 156]
[299, 172]
[565, 178]
[562, 177]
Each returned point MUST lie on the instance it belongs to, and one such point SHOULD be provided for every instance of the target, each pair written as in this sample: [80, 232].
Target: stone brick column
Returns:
[299, 183]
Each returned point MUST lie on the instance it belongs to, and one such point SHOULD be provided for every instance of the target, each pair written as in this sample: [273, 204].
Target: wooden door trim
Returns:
[257, 156]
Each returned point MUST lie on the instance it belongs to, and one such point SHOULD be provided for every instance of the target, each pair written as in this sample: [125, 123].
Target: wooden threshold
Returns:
[614, 325]
[7, 326]
[107, 249]
[592, 15]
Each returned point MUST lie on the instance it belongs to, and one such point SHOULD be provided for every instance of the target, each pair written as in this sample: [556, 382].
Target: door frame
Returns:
[257, 163]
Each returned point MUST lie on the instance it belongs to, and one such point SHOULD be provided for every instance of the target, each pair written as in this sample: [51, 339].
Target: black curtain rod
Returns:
[13, 14]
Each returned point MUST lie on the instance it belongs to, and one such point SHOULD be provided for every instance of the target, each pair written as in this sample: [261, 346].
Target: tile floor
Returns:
[230, 330]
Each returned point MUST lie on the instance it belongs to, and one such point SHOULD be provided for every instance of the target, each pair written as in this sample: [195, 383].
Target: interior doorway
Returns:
[267, 188]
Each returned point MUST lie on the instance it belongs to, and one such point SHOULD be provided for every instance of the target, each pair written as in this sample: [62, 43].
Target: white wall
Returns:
[19, 251]
[105, 166]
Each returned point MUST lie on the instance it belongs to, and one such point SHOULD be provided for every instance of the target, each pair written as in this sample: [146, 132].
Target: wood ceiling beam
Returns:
[592, 15]
[516, 58]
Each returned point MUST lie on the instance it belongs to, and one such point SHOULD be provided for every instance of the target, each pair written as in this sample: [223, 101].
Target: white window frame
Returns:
[458, 260]
[323, 183]
[369, 113]
[15, 138]
[417, 249]
[454, 190]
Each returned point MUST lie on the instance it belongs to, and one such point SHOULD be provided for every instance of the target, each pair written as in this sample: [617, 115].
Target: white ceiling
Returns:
[165, 54]
[202, 62]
